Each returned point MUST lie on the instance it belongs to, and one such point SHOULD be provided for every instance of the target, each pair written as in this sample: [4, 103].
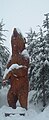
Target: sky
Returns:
[23, 15]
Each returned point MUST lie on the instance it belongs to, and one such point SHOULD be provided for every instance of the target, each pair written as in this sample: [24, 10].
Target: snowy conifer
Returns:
[4, 52]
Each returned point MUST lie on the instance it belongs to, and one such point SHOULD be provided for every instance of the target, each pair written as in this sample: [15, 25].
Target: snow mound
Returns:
[16, 112]
[30, 114]
[43, 115]
[3, 96]
[7, 109]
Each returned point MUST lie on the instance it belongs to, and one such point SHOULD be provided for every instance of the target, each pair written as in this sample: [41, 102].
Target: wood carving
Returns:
[17, 74]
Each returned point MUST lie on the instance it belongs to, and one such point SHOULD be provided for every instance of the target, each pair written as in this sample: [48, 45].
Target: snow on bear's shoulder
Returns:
[25, 53]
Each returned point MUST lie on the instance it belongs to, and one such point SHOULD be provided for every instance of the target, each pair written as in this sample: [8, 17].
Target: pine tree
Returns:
[31, 47]
[4, 52]
[42, 67]
[39, 69]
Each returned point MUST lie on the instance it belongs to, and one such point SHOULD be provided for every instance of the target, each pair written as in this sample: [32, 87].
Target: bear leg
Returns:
[23, 99]
[12, 99]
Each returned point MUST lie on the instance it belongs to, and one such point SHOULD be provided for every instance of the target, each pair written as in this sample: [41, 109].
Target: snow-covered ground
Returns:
[33, 112]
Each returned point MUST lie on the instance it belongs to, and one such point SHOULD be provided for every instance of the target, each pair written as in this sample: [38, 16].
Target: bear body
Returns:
[18, 77]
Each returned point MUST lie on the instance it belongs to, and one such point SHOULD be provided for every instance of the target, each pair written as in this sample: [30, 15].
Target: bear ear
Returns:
[24, 40]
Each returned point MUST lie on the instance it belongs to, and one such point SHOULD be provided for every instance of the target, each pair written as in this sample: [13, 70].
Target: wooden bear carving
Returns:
[17, 72]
